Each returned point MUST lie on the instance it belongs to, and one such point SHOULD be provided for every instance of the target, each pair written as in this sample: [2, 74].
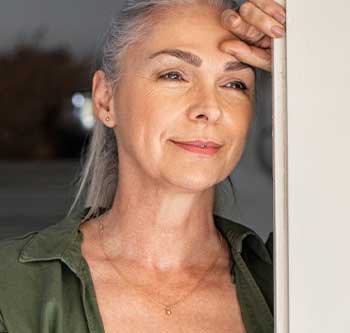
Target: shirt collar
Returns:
[61, 241]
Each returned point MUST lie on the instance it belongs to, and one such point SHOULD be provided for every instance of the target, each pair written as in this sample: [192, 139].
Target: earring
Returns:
[108, 119]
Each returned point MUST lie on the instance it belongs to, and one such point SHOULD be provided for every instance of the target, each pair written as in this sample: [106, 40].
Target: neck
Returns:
[160, 229]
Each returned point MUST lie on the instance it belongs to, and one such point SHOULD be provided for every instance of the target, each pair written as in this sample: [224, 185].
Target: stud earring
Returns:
[108, 119]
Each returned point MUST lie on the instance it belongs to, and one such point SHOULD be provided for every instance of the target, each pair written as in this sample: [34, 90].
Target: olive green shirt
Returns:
[46, 285]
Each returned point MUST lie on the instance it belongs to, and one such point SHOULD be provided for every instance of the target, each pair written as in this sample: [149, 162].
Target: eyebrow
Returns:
[196, 61]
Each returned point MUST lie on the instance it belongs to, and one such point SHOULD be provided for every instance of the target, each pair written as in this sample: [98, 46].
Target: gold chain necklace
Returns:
[169, 306]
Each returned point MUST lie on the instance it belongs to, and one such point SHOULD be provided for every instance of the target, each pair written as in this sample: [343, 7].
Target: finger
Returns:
[247, 32]
[249, 54]
[264, 43]
[256, 17]
[272, 8]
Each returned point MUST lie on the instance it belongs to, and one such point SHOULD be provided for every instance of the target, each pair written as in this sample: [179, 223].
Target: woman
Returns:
[175, 101]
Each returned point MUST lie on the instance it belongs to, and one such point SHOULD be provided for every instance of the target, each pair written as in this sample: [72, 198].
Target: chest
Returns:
[123, 309]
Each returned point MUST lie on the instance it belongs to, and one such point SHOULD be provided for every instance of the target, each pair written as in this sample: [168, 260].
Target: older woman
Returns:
[175, 101]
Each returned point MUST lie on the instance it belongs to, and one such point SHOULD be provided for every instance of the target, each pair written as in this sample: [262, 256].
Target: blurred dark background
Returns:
[48, 51]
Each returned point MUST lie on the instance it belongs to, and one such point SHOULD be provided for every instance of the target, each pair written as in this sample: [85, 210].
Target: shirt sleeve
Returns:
[2, 325]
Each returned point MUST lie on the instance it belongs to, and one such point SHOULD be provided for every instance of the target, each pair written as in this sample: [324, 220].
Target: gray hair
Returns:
[97, 184]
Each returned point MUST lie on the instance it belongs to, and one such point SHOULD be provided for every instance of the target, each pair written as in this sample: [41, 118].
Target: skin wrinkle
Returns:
[195, 60]
[167, 62]
[248, 76]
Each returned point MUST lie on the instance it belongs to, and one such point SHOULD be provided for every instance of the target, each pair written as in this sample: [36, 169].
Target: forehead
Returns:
[193, 26]
[196, 29]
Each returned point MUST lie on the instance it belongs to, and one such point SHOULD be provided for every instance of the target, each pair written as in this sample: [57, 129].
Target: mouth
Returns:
[199, 146]
[200, 143]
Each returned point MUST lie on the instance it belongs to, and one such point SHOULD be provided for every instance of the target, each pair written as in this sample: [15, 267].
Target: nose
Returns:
[205, 107]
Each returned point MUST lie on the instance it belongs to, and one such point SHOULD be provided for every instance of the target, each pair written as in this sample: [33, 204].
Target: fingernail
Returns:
[280, 17]
[278, 31]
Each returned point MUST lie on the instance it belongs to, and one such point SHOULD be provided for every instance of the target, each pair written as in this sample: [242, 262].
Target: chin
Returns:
[194, 182]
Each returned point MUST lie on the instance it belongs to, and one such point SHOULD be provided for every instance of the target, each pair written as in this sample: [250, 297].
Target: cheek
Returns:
[142, 116]
[240, 114]
[238, 128]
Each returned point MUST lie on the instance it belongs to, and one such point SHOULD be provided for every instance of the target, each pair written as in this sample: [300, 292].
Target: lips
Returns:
[200, 143]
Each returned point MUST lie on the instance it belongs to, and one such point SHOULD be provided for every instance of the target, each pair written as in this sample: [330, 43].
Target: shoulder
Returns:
[41, 280]
[30, 258]
[10, 251]
[15, 277]
[243, 238]
[261, 270]
[34, 274]
[256, 254]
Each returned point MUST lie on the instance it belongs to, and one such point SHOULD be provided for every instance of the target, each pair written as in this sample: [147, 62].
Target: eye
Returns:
[237, 85]
[176, 76]
[173, 76]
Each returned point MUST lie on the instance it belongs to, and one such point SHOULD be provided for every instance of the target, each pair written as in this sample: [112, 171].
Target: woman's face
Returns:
[166, 96]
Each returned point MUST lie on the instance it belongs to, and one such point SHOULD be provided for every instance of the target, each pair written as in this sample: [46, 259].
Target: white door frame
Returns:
[280, 185]
[311, 143]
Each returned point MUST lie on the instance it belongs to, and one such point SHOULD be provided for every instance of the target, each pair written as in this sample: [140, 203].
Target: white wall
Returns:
[318, 71]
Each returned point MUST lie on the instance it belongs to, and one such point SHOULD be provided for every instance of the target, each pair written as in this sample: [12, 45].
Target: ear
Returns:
[102, 98]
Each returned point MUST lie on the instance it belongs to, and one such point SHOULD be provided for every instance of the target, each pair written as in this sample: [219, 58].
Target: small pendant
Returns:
[168, 311]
